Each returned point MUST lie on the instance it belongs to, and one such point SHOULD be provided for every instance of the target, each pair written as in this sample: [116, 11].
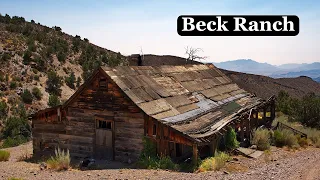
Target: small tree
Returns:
[27, 57]
[53, 101]
[54, 83]
[78, 81]
[26, 96]
[192, 54]
[70, 80]
[3, 110]
[231, 139]
[37, 93]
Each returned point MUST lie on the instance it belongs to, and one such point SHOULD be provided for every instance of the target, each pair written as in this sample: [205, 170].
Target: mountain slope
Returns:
[265, 87]
[28, 51]
[248, 66]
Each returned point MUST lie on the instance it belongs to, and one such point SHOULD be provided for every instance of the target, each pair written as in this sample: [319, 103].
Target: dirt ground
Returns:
[278, 164]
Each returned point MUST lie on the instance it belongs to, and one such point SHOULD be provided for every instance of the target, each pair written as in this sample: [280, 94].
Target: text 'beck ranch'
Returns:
[238, 25]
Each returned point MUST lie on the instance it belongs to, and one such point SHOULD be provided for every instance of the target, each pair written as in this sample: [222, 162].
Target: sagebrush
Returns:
[61, 160]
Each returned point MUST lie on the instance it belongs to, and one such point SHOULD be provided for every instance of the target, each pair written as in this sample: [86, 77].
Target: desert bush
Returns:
[302, 141]
[26, 96]
[61, 160]
[261, 138]
[13, 85]
[36, 77]
[54, 101]
[214, 163]
[12, 142]
[149, 159]
[37, 93]
[285, 138]
[13, 178]
[231, 139]
[3, 109]
[71, 80]
[54, 83]
[317, 143]
[4, 155]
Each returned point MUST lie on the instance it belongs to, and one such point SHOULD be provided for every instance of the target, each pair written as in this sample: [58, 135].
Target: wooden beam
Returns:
[195, 153]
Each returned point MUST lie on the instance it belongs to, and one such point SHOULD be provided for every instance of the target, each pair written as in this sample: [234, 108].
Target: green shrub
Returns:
[53, 101]
[231, 139]
[70, 80]
[285, 138]
[36, 77]
[214, 163]
[303, 142]
[3, 109]
[149, 159]
[61, 160]
[4, 155]
[37, 93]
[54, 83]
[12, 142]
[13, 85]
[26, 96]
[261, 138]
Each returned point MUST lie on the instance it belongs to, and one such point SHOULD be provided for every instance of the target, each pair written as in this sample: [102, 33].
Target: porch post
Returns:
[195, 153]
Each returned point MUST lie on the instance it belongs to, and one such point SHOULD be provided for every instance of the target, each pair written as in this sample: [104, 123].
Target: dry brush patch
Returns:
[4, 155]
[61, 160]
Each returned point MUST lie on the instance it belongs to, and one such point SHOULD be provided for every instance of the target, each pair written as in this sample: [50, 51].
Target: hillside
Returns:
[29, 51]
[265, 87]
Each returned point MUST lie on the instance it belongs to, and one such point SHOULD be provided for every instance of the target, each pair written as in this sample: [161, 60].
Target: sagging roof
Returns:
[197, 100]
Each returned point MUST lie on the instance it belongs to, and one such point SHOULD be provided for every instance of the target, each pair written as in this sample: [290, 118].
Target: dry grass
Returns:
[4, 155]
[232, 167]
[61, 160]
[261, 138]
[267, 156]
[214, 163]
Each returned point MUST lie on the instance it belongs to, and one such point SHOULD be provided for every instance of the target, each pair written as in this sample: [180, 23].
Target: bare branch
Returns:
[192, 54]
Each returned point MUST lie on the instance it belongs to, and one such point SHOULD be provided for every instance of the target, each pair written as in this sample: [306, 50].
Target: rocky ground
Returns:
[277, 164]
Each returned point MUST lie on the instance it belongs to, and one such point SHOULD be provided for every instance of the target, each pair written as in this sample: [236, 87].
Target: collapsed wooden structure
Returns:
[184, 110]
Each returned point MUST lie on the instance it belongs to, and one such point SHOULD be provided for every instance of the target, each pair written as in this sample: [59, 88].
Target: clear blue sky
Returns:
[125, 26]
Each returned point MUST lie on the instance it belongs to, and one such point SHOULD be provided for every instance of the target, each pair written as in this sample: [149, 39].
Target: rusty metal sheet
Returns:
[142, 94]
[222, 80]
[133, 96]
[155, 107]
[214, 73]
[195, 75]
[210, 93]
[186, 108]
[170, 85]
[171, 112]
[152, 93]
[217, 98]
[181, 77]
[192, 86]
[125, 71]
[177, 101]
[120, 83]
[206, 73]
[240, 91]
[211, 82]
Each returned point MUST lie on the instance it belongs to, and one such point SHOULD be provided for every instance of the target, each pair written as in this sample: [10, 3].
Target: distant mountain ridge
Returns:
[285, 70]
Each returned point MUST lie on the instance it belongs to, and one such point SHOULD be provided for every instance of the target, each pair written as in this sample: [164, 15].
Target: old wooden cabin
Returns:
[184, 110]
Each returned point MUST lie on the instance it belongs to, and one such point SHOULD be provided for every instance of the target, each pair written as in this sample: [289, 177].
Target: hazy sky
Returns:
[125, 26]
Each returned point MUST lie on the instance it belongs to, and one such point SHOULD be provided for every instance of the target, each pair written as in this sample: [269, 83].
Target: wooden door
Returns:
[104, 142]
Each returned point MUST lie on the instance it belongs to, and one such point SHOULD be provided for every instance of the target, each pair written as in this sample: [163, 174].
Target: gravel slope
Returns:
[281, 164]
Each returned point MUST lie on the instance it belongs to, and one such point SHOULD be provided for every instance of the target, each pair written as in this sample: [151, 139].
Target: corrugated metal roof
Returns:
[194, 99]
